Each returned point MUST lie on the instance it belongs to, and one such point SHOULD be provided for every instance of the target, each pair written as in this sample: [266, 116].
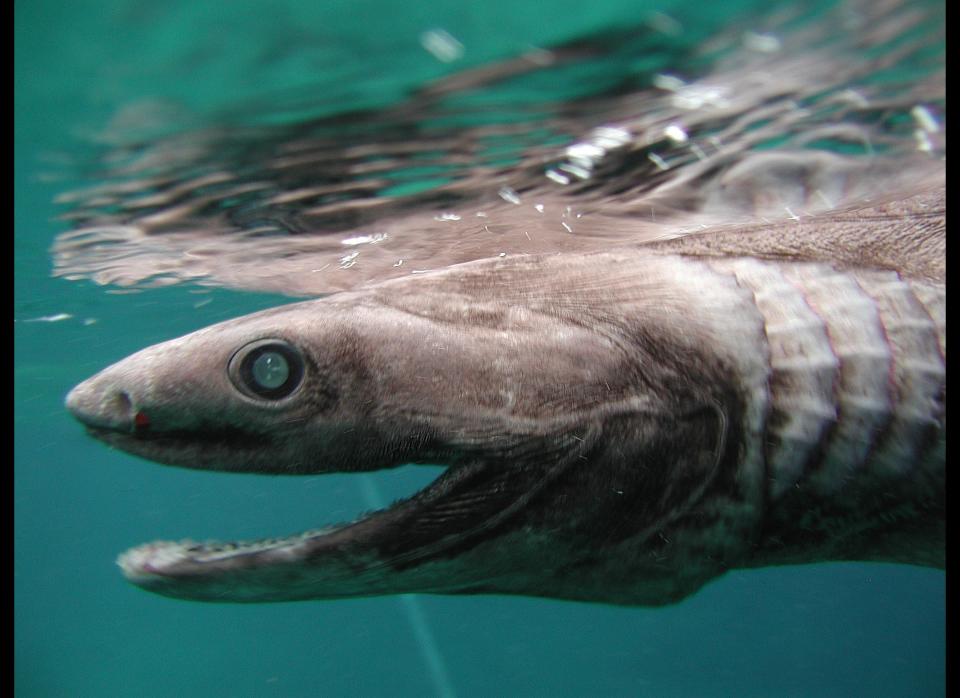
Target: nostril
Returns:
[124, 415]
[121, 405]
[101, 406]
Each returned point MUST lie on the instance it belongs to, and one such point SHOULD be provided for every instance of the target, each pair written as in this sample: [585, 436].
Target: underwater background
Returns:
[81, 630]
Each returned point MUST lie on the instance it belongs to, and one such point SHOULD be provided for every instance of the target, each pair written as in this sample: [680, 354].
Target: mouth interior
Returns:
[380, 493]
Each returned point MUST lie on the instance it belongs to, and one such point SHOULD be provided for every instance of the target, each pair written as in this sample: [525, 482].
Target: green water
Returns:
[80, 630]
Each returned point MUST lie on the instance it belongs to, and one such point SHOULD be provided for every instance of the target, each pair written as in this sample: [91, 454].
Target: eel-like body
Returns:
[620, 426]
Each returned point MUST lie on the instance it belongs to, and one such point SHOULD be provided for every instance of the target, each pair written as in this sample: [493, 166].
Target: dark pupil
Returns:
[272, 371]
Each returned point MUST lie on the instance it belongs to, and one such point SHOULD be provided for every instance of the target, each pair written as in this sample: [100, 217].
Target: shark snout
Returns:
[97, 403]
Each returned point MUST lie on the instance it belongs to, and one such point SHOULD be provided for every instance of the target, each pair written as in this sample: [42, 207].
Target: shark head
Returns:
[578, 443]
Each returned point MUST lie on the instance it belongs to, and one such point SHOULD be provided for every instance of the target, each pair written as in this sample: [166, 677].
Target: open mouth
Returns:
[166, 557]
[464, 505]
[342, 556]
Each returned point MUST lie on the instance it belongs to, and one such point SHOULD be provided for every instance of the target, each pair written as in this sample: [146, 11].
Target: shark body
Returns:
[619, 426]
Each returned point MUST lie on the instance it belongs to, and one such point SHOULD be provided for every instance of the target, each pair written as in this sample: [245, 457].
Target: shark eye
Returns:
[267, 368]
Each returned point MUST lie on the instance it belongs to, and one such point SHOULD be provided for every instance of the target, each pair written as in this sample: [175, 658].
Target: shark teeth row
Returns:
[214, 547]
[160, 554]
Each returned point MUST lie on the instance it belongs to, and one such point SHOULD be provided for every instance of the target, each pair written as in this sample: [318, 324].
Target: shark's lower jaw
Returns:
[286, 568]
[215, 571]
[165, 558]
[384, 551]
[303, 566]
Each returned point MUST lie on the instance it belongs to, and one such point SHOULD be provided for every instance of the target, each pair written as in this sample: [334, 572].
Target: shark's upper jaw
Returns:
[196, 449]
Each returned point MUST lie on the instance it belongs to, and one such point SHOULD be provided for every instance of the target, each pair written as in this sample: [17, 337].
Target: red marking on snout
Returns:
[141, 421]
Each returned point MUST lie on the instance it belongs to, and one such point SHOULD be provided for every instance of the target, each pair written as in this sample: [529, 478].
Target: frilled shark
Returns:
[620, 426]
[694, 339]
